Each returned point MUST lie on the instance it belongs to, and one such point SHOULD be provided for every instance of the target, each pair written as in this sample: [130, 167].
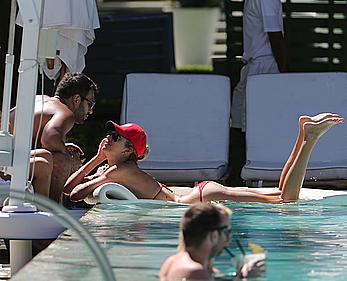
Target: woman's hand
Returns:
[102, 169]
[253, 265]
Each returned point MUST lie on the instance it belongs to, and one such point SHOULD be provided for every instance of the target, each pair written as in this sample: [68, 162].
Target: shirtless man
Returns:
[72, 104]
[126, 144]
[205, 232]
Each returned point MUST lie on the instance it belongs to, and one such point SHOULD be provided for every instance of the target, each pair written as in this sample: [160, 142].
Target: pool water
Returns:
[304, 241]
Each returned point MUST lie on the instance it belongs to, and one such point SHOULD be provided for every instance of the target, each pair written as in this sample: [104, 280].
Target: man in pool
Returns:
[72, 104]
[205, 232]
[126, 144]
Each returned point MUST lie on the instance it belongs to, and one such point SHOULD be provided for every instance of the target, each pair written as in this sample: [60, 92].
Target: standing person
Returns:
[264, 52]
[126, 144]
[72, 104]
[205, 232]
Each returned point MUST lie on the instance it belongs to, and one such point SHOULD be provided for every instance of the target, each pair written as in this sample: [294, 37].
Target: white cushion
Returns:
[186, 118]
[274, 104]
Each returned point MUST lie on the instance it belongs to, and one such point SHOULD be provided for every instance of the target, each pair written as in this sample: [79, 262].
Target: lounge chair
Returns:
[274, 103]
[186, 118]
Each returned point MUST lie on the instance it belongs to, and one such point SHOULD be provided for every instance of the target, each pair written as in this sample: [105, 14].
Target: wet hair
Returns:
[133, 156]
[75, 83]
[199, 220]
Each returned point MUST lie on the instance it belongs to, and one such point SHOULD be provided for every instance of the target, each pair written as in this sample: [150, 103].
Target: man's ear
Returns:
[76, 99]
[127, 151]
[213, 235]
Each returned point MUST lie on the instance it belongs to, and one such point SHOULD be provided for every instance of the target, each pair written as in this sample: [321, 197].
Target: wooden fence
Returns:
[315, 31]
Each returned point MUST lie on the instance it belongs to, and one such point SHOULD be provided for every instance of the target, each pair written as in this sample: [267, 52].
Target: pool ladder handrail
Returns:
[64, 218]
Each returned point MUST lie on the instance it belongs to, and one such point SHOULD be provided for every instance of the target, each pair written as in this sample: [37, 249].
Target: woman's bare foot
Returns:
[314, 130]
[315, 119]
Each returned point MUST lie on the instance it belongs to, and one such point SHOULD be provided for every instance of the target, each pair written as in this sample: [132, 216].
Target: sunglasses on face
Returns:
[225, 229]
[114, 135]
[91, 103]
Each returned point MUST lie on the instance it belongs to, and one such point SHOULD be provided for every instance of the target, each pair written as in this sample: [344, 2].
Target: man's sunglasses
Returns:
[225, 229]
[90, 102]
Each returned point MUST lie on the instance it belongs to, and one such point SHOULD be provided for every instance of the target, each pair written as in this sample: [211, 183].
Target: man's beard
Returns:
[216, 251]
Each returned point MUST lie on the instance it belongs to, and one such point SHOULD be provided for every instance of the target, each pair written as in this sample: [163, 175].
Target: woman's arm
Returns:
[82, 190]
[80, 175]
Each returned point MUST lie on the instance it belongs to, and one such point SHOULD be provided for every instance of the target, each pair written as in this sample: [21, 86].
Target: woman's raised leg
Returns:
[312, 131]
[302, 119]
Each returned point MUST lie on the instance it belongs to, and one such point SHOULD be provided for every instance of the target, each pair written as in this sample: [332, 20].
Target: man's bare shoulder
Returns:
[182, 266]
[57, 117]
[195, 271]
[52, 106]
[45, 99]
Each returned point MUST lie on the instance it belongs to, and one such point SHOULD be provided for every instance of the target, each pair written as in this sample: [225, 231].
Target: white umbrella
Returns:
[75, 21]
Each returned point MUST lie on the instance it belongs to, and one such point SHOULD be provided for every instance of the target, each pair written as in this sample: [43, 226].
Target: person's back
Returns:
[141, 184]
[50, 107]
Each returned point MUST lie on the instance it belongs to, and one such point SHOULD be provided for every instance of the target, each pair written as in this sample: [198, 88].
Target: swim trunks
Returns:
[201, 186]
[161, 187]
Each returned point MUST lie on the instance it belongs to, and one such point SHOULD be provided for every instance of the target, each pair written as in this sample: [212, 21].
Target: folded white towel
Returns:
[75, 21]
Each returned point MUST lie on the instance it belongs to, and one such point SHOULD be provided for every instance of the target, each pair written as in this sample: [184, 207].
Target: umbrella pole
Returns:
[9, 62]
[31, 11]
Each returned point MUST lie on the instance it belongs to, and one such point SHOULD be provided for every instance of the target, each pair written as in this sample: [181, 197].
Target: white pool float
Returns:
[114, 193]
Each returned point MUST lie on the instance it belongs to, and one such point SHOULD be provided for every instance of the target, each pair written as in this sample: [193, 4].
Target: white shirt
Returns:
[260, 17]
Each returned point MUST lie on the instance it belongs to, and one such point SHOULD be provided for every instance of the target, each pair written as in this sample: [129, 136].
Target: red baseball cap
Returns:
[133, 133]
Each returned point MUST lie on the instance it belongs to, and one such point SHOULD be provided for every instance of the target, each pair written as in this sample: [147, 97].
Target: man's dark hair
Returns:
[75, 83]
[199, 220]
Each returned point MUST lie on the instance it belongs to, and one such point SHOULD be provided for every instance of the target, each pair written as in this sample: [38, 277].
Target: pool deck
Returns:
[5, 269]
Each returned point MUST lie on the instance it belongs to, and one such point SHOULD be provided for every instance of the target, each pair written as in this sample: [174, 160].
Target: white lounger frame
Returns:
[186, 118]
[274, 103]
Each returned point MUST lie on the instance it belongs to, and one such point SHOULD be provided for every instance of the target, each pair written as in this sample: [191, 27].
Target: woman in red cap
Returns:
[126, 144]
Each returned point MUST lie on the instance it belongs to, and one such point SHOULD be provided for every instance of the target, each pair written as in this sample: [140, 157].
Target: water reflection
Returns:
[304, 241]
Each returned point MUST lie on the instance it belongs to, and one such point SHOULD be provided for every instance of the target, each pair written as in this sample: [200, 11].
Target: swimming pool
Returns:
[305, 241]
